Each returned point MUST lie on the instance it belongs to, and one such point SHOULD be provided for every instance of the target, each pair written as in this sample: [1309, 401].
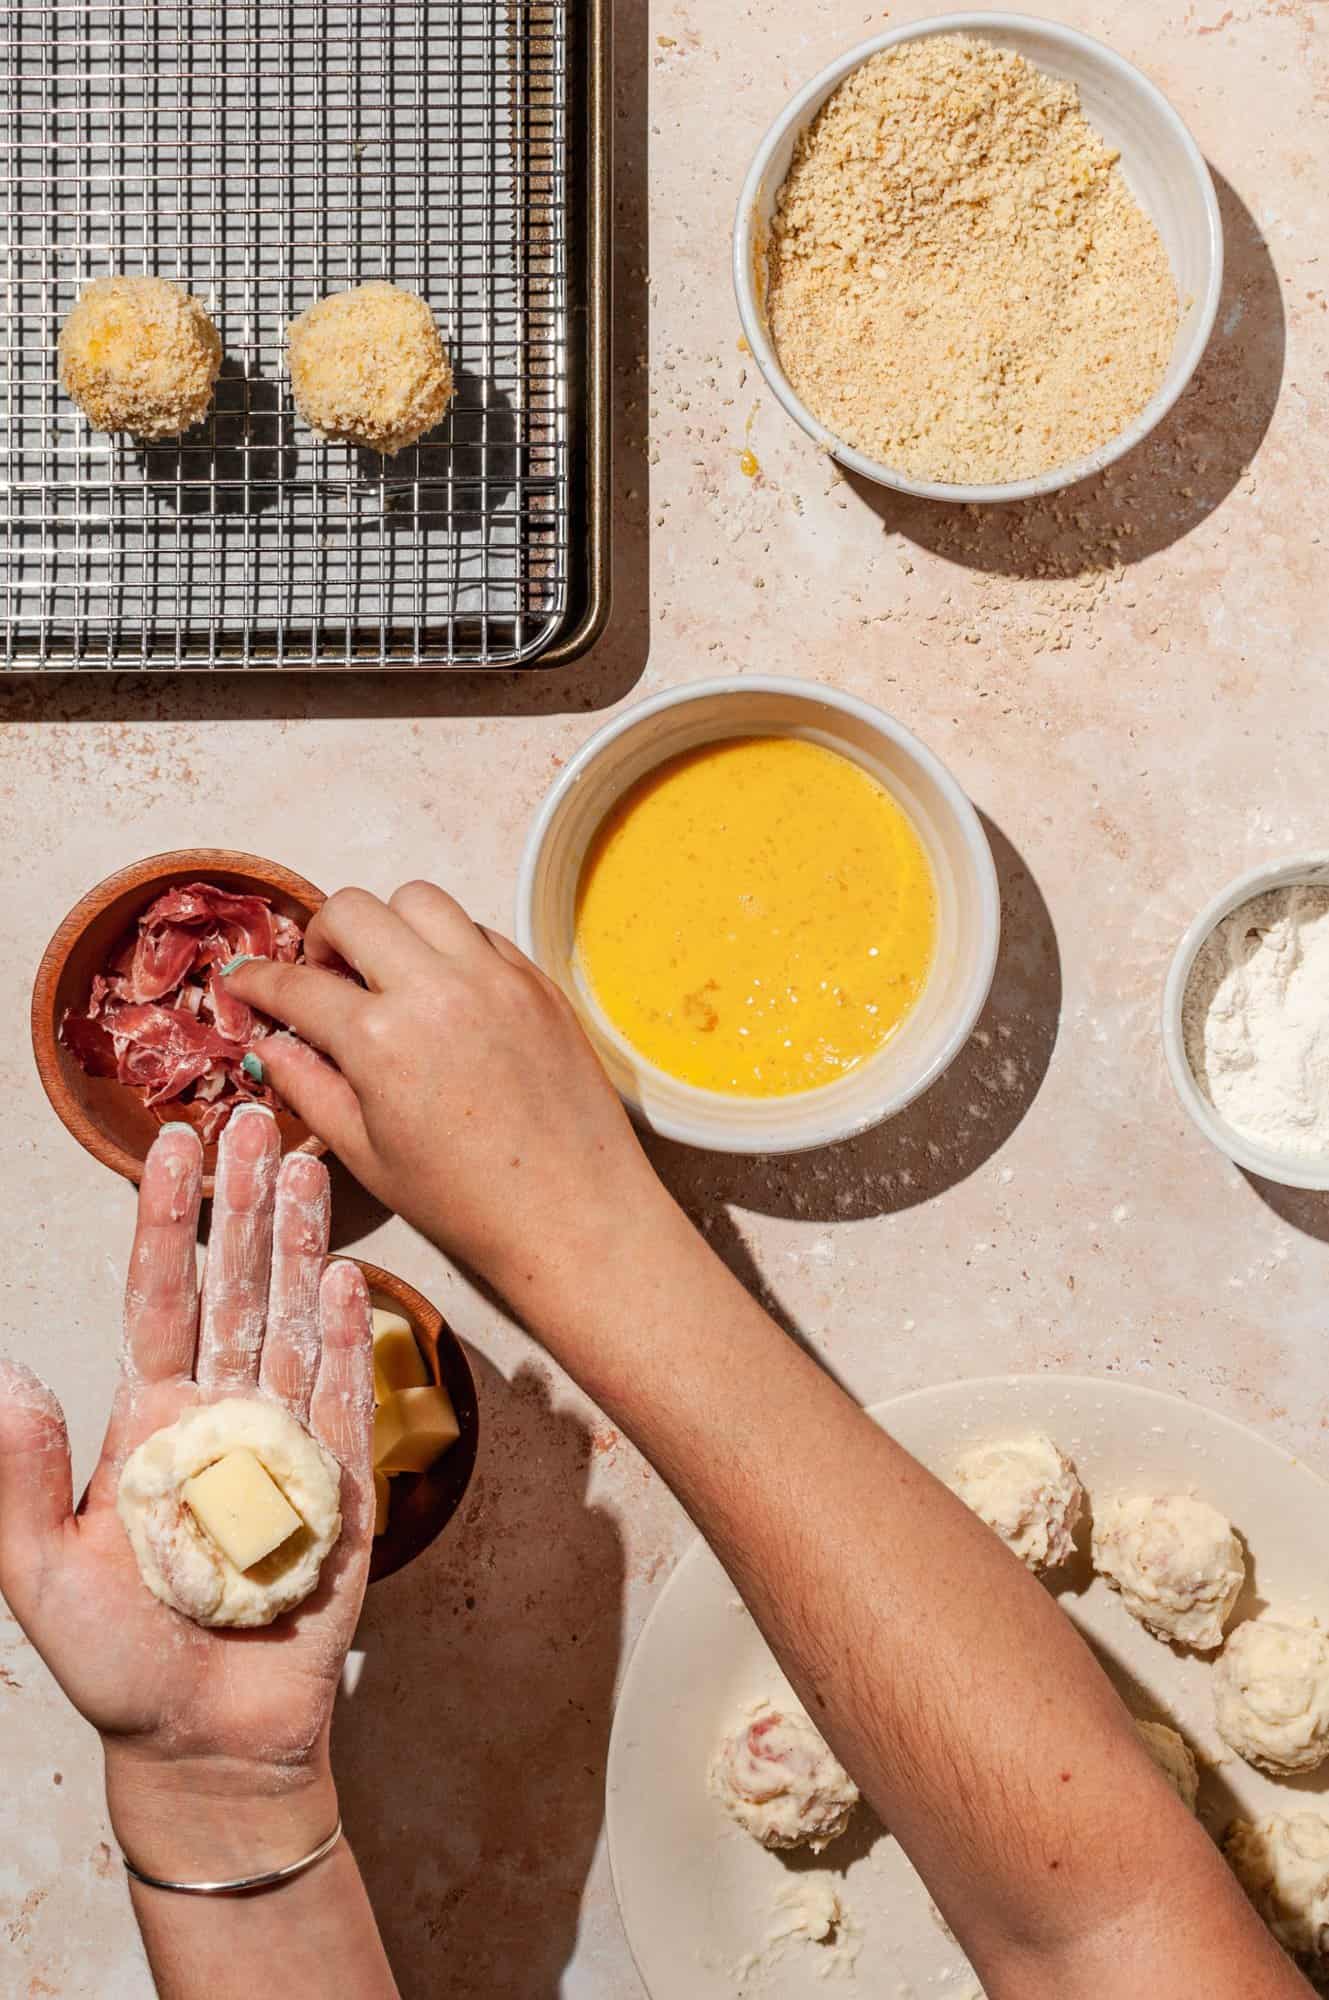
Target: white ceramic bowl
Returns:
[968, 913]
[1164, 169]
[1289, 1170]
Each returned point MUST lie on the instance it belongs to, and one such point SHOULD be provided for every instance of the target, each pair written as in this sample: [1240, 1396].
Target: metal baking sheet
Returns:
[264, 154]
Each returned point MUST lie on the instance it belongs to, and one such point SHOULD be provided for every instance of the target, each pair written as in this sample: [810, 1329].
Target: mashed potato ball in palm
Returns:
[368, 367]
[141, 355]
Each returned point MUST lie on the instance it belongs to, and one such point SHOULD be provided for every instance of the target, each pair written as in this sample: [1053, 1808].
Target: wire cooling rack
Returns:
[264, 152]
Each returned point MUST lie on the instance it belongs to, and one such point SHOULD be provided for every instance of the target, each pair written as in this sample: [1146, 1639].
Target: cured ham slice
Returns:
[198, 925]
[234, 1021]
[161, 960]
[159, 1018]
[86, 1037]
[161, 1050]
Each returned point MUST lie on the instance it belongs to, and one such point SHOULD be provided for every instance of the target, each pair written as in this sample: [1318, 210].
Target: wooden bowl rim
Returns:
[423, 1313]
[176, 864]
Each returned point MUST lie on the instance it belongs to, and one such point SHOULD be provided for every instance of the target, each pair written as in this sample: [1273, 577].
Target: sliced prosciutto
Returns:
[235, 1022]
[159, 1018]
[162, 1050]
[188, 929]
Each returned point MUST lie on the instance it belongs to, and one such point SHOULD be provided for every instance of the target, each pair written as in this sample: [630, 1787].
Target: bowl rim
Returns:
[175, 863]
[663, 1124]
[1283, 1169]
[763, 348]
[420, 1310]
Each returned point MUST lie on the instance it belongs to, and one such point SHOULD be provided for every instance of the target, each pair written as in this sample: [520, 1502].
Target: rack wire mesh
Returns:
[264, 152]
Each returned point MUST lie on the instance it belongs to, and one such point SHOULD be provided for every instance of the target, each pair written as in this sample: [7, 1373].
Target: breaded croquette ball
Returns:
[368, 367]
[141, 355]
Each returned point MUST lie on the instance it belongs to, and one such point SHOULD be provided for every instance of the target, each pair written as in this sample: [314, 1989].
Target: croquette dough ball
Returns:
[1177, 1563]
[368, 367]
[1271, 1695]
[1282, 1862]
[179, 1560]
[777, 1777]
[1028, 1492]
[139, 355]
[1175, 1759]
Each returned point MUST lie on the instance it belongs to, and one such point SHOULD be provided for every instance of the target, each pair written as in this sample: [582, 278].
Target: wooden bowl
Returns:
[424, 1502]
[105, 1116]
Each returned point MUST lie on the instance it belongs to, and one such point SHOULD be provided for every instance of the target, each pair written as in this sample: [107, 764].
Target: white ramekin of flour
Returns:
[1246, 1021]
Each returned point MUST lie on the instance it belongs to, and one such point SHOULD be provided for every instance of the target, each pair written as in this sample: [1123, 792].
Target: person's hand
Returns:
[465, 1094]
[216, 1741]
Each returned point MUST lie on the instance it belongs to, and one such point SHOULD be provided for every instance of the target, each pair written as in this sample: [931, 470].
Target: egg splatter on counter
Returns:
[756, 916]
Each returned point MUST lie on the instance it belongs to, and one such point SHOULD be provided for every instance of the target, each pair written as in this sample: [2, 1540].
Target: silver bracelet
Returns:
[239, 1885]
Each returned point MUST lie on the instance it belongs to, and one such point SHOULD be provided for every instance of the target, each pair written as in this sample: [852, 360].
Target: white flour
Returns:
[810, 1911]
[1256, 1020]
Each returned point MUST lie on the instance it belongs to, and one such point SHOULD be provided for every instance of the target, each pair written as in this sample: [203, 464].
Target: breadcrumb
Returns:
[139, 354]
[961, 284]
[368, 367]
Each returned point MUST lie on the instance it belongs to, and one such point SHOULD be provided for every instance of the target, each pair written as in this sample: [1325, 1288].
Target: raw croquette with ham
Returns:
[159, 1017]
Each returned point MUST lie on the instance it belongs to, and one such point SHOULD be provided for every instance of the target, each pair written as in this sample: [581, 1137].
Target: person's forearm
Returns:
[945, 1677]
[305, 1938]
[461, 1090]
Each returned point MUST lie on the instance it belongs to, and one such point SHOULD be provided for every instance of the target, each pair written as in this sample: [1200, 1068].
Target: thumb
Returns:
[316, 1092]
[36, 1490]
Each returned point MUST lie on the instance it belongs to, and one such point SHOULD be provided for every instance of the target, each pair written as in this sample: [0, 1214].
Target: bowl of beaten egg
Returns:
[774, 910]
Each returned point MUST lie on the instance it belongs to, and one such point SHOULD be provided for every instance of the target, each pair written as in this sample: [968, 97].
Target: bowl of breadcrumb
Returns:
[978, 258]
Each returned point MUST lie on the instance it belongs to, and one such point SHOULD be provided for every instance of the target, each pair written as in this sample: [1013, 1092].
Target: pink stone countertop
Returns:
[1130, 680]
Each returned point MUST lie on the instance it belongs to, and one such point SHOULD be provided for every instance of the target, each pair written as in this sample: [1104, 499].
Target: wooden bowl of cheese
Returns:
[426, 1421]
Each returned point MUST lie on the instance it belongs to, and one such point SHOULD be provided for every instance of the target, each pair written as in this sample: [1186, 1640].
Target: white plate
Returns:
[698, 1896]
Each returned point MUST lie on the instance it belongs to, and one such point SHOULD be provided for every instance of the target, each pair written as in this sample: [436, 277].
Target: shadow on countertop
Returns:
[1174, 479]
[356, 1213]
[1304, 1209]
[940, 1139]
[471, 1757]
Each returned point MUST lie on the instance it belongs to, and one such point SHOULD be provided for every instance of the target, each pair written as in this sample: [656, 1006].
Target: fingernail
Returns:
[247, 1103]
[233, 964]
[175, 1125]
[345, 1278]
[253, 1069]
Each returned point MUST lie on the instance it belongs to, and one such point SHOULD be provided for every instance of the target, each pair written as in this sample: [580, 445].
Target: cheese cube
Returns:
[398, 1362]
[412, 1428]
[236, 1501]
[382, 1501]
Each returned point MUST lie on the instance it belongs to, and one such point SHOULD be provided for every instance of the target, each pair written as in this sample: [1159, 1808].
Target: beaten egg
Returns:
[756, 916]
